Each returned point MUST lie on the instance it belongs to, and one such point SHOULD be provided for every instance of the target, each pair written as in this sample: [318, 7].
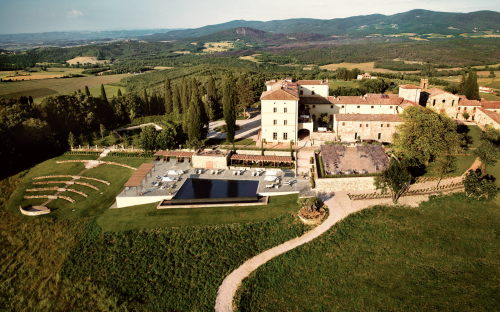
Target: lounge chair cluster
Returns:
[376, 154]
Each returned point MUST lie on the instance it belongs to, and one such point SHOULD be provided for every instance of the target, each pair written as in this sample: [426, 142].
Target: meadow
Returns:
[442, 256]
[41, 88]
[364, 67]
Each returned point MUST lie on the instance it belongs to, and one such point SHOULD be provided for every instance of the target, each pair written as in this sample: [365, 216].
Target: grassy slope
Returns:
[174, 269]
[148, 217]
[93, 205]
[463, 163]
[444, 255]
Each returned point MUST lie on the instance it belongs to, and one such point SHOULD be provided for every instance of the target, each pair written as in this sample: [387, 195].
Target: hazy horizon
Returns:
[32, 16]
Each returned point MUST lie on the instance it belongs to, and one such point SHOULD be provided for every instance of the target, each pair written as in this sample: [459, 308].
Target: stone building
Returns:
[376, 127]
[486, 117]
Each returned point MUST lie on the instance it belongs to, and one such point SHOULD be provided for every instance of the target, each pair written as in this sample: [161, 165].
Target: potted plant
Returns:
[169, 191]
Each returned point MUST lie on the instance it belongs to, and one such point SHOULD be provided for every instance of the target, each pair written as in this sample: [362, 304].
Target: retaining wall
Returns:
[344, 184]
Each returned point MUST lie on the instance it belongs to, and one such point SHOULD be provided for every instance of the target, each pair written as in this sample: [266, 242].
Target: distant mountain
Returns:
[77, 35]
[415, 21]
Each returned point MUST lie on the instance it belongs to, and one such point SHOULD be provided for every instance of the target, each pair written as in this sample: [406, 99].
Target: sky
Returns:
[33, 16]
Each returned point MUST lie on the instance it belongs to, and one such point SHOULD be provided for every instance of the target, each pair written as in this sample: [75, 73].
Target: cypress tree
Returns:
[87, 92]
[471, 88]
[461, 85]
[194, 118]
[212, 95]
[119, 93]
[146, 102]
[168, 97]
[228, 103]
[103, 94]
[176, 101]
[184, 96]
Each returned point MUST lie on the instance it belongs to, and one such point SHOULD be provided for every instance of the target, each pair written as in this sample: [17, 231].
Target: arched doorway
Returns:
[304, 135]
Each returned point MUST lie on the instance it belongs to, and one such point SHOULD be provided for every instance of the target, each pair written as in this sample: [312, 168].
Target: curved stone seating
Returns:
[34, 210]
[71, 200]
[68, 182]
[96, 162]
[71, 176]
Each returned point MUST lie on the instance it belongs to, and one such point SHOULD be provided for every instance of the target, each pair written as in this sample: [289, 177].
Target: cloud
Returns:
[74, 13]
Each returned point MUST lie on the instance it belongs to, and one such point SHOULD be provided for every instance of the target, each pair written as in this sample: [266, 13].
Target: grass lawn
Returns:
[463, 163]
[224, 142]
[441, 256]
[95, 204]
[475, 133]
[495, 171]
[489, 96]
[131, 161]
[148, 217]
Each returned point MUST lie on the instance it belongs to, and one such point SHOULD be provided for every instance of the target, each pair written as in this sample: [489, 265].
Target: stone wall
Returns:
[218, 162]
[471, 110]
[410, 94]
[482, 119]
[266, 153]
[323, 136]
[367, 130]
[127, 201]
[445, 102]
[329, 185]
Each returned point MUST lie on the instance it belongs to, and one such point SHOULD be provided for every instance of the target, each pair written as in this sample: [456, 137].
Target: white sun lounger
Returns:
[270, 185]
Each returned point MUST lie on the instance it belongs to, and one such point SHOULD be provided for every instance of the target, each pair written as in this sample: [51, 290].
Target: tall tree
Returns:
[87, 92]
[229, 104]
[166, 139]
[395, 179]
[71, 139]
[245, 94]
[444, 165]
[212, 95]
[176, 102]
[488, 150]
[119, 93]
[425, 135]
[184, 96]
[103, 94]
[471, 88]
[146, 102]
[102, 129]
[195, 120]
[148, 138]
[479, 186]
[168, 97]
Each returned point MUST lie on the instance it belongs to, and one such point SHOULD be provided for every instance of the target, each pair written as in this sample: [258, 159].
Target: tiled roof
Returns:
[490, 104]
[407, 103]
[315, 100]
[368, 117]
[279, 94]
[174, 154]
[312, 82]
[465, 102]
[436, 91]
[369, 99]
[492, 115]
[262, 158]
[410, 86]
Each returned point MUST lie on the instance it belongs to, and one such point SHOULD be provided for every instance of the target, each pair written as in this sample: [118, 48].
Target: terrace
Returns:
[339, 159]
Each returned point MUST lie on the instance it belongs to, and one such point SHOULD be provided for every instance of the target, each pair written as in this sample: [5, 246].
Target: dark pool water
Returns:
[205, 188]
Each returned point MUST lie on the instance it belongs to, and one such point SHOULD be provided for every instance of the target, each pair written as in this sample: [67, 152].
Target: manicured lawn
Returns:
[131, 161]
[441, 256]
[247, 141]
[148, 217]
[475, 133]
[495, 171]
[95, 204]
[463, 163]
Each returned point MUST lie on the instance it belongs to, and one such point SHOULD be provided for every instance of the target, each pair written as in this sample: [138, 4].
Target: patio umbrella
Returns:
[271, 173]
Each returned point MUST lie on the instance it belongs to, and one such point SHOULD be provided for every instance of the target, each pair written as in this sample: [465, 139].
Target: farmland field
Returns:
[218, 46]
[42, 88]
[48, 74]
[85, 60]
[365, 67]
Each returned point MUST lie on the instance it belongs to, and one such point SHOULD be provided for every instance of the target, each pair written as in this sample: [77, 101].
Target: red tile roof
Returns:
[465, 102]
[279, 94]
[368, 99]
[407, 103]
[490, 104]
[368, 117]
[436, 91]
[262, 158]
[174, 154]
[312, 82]
[410, 86]
[492, 115]
[315, 100]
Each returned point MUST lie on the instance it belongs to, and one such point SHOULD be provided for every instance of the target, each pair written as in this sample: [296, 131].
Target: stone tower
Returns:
[424, 83]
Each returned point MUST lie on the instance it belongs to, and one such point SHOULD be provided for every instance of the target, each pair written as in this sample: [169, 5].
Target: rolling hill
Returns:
[415, 21]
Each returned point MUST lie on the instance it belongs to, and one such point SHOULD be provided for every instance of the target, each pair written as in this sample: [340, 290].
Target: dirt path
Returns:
[340, 206]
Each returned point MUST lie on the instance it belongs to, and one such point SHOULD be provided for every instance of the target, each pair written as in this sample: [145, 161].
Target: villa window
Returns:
[379, 136]
[434, 103]
[388, 125]
[275, 110]
[444, 101]
[343, 124]
[275, 122]
[301, 92]
[285, 122]
[360, 125]
[285, 136]
[331, 106]
[342, 106]
[359, 106]
[367, 125]
[275, 135]
[285, 110]
[390, 107]
[312, 93]
[373, 106]
[473, 111]
[452, 102]
[382, 125]
[314, 106]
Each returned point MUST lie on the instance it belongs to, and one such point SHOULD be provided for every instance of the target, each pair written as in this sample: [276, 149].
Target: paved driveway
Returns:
[248, 127]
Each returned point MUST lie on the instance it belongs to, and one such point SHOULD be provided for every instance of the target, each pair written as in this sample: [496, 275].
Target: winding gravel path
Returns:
[339, 207]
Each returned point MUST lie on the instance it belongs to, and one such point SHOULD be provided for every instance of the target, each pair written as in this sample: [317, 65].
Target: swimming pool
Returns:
[216, 191]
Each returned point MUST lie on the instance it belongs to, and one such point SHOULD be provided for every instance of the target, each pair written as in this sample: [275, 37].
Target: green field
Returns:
[463, 163]
[441, 256]
[42, 88]
[148, 217]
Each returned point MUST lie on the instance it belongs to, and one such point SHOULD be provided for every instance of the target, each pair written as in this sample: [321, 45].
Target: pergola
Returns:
[178, 155]
[139, 175]
[245, 159]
